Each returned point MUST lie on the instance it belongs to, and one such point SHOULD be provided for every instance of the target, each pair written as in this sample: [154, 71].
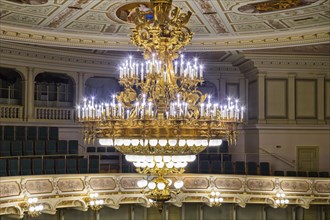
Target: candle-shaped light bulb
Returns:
[176, 67]
[114, 99]
[85, 102]
[130, 61]
[195, 61]
[202, 109]
[242, 113]
[201, 71]
[78, 111]
[149, 107]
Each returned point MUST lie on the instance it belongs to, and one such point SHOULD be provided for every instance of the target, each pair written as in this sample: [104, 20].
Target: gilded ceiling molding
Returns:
[317, 36]
[70, 191]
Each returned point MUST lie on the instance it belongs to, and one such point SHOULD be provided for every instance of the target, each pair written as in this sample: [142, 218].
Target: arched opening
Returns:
[11, 87]
[54, 90]
[210, 89]
[101, 88]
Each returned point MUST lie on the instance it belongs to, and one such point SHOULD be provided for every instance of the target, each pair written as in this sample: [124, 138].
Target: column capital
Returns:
[261, 74]
[292, 75]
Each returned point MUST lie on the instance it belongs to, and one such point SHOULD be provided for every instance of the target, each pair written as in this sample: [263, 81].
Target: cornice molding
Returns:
[314, 35]
[302, 63]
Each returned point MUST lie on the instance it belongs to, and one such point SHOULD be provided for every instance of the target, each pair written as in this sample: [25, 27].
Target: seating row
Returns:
[228, 167]
[39, 147]
[301, 173]
[48, 165]
[28, 133]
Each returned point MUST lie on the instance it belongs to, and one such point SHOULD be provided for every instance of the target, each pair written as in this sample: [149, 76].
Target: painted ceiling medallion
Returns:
[274, 5]
[128, 12]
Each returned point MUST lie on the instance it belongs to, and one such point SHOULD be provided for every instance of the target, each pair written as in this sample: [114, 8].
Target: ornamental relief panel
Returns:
[196, 183]
[322, 186]
[260, 185]
[38, 186]
[294, 185]
[70, 185]
[129, 182]
[106, 183]
[9, 189]
[228, 183]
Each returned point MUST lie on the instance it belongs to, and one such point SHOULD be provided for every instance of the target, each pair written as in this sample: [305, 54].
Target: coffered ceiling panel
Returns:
[217, 24]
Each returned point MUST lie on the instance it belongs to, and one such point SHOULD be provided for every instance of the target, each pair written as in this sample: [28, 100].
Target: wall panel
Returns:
[276, 98]
[306, 99]
[232, 90]
[253, 100]
[327, 98]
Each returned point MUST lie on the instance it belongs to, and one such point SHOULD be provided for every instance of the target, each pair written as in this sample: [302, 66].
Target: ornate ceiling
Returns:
[217, 24]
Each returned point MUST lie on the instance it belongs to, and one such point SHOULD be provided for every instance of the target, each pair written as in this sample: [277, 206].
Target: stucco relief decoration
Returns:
[129, 183]
[196, 183]
[293, 185]
[212, 17]
[9, 189]
[38, 186]
[70, 185]
[322, 186]
[70, 11]
[102, 183]
[260, 185]
[29, 2]
[274, 5]
[228, 183]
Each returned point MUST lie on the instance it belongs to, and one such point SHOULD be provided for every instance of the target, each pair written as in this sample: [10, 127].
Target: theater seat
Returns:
[94, 164]
[228, 167]
[216, 167]
[49, 167]
[3, 167]
[240, 167]
[323, 174]
[13, 167]
[82, 165]
[264, 169]
[71, 165]
[60, 166]
[25, 166]
[278, 173]
[291, 173]
[37, 167]
[252, 168]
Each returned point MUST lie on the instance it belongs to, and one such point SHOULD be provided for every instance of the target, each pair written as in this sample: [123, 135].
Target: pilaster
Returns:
[261, 97]
[30, 94]
[292, 97]
[320, 99]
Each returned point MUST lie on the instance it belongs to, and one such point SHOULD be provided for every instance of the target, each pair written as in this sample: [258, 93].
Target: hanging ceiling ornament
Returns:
[161, 120]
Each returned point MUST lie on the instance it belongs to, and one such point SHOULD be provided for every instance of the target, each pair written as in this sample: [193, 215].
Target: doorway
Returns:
[308, 158]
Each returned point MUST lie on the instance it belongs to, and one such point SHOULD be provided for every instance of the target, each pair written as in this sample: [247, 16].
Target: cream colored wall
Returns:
[289, 98]
[284, 142]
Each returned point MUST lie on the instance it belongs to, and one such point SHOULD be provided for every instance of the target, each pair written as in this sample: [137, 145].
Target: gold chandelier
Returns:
[161, 120]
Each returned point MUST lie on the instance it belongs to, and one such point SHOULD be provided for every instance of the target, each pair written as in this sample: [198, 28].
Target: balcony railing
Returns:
[47, 113]
[11, 111]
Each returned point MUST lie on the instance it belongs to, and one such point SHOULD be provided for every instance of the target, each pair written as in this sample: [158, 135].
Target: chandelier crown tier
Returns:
[164, 33]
